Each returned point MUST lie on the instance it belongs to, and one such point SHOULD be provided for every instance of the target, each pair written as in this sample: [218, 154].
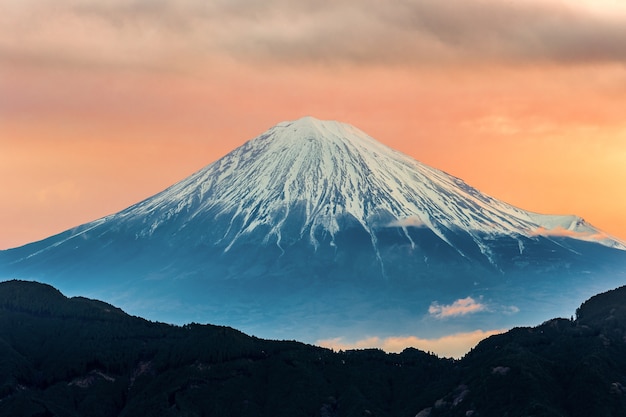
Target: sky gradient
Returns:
[103, 104]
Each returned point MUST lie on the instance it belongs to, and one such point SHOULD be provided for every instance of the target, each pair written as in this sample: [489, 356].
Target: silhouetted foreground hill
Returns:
[80, 357]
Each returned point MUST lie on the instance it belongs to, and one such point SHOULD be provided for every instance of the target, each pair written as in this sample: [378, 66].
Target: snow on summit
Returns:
[314, 174]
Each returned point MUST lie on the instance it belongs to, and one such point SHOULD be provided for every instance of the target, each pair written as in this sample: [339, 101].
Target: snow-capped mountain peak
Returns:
[314, 229]
[314, 175]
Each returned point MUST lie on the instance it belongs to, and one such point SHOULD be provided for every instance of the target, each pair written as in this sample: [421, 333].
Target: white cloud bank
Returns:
[454, 345]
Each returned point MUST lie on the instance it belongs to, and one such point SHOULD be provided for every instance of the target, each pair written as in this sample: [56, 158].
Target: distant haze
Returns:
[103, 104]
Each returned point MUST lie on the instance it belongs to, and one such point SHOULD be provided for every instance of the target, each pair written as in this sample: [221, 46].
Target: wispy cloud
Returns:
[426, 31]
[66, 191]
[507, 126]
[562, 232]
[363, 32]
[410, 221]
[460, 307]
[455, 345]
[509, 310]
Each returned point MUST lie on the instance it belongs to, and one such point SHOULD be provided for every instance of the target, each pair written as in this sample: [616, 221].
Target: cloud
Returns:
[66, 191]
[460, 307]
[574, 234]
[143, 33]
[455, 345]
[509, 310]
[427, 31]
[410, 221]
[507, 126]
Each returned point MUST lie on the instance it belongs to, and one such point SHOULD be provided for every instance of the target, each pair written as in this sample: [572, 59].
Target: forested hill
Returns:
[78, 357]
[67, 357]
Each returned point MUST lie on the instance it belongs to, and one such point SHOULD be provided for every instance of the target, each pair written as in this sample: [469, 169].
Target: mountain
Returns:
[76, 356]
[315, 230]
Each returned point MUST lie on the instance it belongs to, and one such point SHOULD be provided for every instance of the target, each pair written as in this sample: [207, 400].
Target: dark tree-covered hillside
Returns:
[78, 357]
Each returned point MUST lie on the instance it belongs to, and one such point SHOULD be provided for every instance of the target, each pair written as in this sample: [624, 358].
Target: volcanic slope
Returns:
[314, 229]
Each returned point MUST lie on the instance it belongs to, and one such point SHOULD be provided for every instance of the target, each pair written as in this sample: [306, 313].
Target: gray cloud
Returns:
[429, 31]
[365, 32]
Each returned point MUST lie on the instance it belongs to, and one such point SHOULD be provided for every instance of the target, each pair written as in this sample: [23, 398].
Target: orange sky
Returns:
[103, 104]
